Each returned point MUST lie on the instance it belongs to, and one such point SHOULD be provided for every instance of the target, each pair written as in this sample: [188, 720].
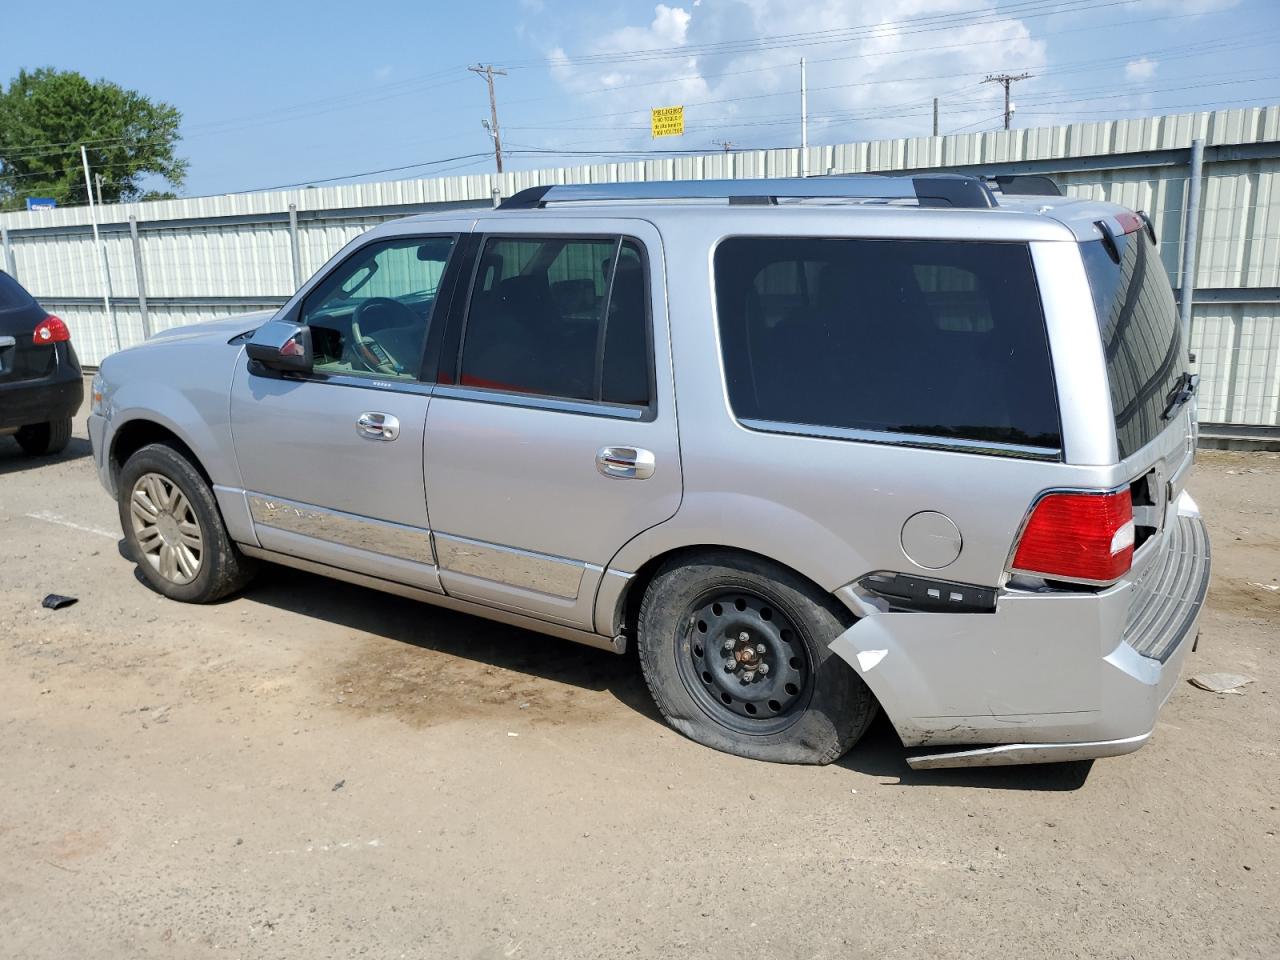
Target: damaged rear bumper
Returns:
[1045, 677]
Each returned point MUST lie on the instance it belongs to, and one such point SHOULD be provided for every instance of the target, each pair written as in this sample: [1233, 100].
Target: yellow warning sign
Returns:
[667, 121]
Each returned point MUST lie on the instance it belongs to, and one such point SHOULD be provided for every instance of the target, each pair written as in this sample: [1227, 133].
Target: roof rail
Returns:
[1027, 185]
[928, 190]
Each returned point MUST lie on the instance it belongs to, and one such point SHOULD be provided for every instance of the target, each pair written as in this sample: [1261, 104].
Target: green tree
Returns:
[46, 114]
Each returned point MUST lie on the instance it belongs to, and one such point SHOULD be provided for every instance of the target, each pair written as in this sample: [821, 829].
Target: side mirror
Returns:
[279, 345]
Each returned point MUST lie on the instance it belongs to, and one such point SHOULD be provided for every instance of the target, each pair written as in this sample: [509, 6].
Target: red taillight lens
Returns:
[1078, 536]
[51, 330]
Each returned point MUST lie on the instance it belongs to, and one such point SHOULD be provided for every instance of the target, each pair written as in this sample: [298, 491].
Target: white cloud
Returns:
[1144, 68]
[863, 84]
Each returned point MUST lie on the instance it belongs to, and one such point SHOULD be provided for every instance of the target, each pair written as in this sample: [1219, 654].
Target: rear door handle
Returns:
[377, 426]
[625, 463]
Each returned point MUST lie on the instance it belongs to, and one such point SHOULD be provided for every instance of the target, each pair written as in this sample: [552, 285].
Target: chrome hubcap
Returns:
[166, 528]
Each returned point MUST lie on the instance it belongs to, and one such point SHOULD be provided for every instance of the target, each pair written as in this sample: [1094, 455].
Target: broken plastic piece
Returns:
[1220, 682]
[56, 601]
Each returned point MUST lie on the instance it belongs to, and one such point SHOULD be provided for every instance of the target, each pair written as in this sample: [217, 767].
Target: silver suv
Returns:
[813, 446]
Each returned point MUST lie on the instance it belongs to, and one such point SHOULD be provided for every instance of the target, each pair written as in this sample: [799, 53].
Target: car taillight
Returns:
[1078, 536]
[51, 330]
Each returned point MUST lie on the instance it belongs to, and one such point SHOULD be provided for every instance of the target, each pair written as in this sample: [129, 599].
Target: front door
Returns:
[332, 460]
[551, 437]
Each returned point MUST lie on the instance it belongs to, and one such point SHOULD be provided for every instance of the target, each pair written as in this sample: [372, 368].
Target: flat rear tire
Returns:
[734, 649]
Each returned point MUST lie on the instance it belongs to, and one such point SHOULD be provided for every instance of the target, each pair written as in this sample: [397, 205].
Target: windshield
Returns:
[1138, 320]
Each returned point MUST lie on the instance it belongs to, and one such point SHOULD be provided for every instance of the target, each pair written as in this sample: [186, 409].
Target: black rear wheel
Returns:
[735, 652]
[42, 439]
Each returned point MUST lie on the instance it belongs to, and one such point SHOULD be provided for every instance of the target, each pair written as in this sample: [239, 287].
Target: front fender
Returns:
[182, 386]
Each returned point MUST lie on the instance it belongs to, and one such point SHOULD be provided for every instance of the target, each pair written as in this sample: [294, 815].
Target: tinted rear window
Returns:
[1138, 320]
[11, 293]
[939, 338]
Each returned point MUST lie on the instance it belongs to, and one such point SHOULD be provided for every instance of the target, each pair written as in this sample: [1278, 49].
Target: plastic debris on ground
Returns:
[1220, 682]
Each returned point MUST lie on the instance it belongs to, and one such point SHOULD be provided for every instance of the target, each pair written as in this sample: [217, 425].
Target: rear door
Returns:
[551, 439]
[20, 358]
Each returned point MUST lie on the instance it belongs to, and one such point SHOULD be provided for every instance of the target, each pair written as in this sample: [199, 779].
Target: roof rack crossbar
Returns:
[928, 190]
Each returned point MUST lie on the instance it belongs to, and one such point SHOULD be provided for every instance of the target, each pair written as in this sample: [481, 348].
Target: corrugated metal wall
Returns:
[215, 256]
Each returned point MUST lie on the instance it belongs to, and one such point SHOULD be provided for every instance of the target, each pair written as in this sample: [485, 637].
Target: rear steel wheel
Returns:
[743, 662]
[166, 527]
[736, 651]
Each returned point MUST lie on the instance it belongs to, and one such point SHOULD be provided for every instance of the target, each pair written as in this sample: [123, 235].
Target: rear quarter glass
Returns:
[1138, 322]
[12, 294]
[937, 338]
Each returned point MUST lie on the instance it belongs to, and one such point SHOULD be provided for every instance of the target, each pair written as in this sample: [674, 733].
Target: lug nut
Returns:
[728, 644]
[761, 648]
[744, 636]
[748, 676]
[763, 668]
[731, 664]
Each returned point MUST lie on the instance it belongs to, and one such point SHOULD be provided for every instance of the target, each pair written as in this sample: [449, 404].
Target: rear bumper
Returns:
[54, 397]
[1046, 676]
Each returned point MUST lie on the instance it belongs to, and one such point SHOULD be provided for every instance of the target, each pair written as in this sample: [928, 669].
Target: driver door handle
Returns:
[377, 426]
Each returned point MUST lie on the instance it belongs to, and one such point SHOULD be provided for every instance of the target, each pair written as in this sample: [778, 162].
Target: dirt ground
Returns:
[317, 770]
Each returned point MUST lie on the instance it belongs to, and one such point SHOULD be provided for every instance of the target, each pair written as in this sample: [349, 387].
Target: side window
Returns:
[560, 317]
[369, 317]
[933, 337]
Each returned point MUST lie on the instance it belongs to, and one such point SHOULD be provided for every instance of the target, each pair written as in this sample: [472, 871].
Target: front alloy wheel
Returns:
[173, 529]
[166, 527]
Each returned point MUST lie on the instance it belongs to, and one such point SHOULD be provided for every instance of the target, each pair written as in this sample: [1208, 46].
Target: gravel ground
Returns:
[317, 770]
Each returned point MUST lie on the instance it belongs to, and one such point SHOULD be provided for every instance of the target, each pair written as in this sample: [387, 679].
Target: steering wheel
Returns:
[370, 352]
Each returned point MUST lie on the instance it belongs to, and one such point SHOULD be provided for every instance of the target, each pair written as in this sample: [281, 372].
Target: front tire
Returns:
[735, 651]
[43, 439]
[174, 531]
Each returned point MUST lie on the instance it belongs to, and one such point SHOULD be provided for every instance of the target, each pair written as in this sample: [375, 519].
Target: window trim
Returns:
[461, 317]
[997, 448]
[437, 319]
[893, 438]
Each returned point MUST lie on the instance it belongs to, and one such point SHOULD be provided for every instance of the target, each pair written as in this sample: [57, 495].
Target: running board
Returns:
[1010, 754]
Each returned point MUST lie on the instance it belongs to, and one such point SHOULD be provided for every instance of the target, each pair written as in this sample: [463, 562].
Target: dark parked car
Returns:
[40, 381]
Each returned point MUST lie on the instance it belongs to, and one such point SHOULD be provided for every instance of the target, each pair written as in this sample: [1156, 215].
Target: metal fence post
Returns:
[140, 277]
[1190, 240]
[8, 252]
[293, 245]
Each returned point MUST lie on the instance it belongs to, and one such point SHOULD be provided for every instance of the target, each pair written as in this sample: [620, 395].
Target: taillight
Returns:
[1078, 536]
[51, 330]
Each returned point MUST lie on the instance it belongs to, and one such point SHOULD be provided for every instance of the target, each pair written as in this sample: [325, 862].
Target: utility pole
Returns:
[726, 144]
[1006, 80]
[488, 72]
[103, 269]
[935, 116]
[804, 121]
[97, 182]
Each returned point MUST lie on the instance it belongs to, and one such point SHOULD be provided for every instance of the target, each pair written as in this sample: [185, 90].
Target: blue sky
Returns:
[276, 93]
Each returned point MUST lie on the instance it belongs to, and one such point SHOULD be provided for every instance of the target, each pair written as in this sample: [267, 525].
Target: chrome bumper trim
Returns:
[1010, 754]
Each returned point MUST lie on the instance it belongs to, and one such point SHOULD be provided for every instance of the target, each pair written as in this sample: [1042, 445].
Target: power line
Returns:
[1023, 9]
